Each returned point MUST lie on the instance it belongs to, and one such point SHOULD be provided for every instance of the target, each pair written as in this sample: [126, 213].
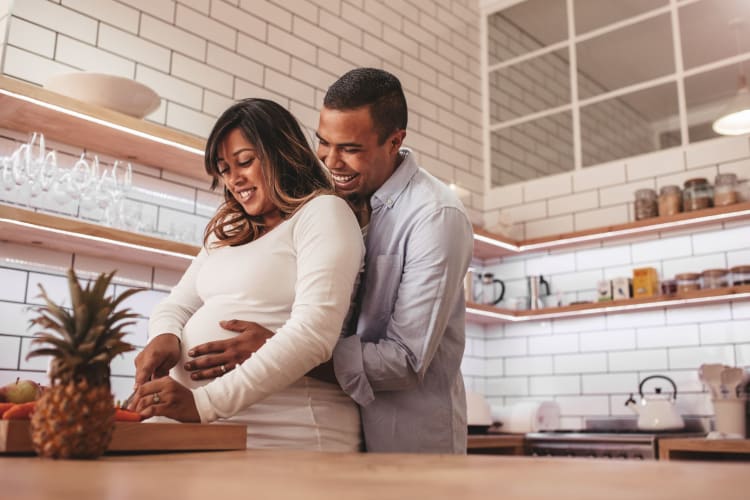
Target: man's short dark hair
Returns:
[372, 87]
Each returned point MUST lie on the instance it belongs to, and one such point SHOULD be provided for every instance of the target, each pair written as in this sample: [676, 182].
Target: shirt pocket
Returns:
[380, 290]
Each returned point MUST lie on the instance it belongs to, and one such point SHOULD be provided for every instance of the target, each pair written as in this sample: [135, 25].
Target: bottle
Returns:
[725, 189]
[670, 200]
[645, 204]
[697, 195]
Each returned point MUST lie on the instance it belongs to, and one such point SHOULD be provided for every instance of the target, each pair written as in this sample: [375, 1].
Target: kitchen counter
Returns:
[496, 444]
[329, 476]
[704, 449]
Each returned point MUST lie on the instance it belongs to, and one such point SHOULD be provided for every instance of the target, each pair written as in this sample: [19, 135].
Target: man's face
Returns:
[348, 146]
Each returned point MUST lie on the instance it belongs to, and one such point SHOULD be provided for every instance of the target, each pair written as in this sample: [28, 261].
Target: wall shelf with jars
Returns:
[489, 315]
[489, 246]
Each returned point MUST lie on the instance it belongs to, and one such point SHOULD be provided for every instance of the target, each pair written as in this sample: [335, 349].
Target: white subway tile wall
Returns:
[568, 360]
[194, 51]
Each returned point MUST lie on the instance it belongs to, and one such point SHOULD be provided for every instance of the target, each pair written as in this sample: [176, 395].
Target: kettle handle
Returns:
[502, 291]
[674, 386]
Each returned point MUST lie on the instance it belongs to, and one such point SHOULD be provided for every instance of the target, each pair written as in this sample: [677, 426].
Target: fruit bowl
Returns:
[109, 91]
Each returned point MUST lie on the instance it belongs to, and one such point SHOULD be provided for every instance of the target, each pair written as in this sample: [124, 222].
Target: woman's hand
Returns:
[165, 397]
[157, 358]
[214, 359]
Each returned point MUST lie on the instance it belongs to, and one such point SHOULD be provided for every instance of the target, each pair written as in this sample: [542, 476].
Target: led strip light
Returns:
[513, 318]
[104, 123]
[100, 239]
[516, 248]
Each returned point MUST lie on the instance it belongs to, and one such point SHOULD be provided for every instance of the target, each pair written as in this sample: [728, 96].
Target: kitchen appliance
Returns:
[478, 417]
[534, 285]
[491, 290]
[658, 411]
[527, 416]
[606, 437]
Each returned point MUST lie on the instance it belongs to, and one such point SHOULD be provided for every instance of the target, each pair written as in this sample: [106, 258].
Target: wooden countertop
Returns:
[330, 476]
[702, 448]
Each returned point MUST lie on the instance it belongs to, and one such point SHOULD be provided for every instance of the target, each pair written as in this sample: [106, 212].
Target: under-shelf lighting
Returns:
[514, 318]
[104, 123]
[618, 233]
[497, 243]
[109, 241]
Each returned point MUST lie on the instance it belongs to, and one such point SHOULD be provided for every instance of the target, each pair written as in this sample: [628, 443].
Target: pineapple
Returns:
[74, 418]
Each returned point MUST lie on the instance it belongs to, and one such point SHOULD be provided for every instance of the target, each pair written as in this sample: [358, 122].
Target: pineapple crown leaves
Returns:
[91, 333]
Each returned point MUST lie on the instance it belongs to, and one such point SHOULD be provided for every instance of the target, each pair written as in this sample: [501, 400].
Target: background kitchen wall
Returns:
[200, 55]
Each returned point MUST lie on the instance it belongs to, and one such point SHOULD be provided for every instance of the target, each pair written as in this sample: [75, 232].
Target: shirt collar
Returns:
[392, 188]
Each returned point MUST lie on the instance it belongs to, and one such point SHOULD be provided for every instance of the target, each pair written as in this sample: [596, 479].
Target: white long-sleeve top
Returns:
[296, 281]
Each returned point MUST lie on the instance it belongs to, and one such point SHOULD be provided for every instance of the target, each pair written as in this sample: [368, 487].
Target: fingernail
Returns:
[194, 376]
[191, 353]
[188, 366]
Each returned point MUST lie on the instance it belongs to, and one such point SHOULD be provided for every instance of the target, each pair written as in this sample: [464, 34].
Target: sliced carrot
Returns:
[21, 411]
[4, 407]
[126, 416]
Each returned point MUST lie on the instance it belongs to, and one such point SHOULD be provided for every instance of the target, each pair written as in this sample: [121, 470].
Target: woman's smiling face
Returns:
[240, 168]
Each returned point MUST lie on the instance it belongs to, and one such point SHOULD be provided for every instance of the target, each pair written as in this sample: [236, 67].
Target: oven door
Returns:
[619, 450]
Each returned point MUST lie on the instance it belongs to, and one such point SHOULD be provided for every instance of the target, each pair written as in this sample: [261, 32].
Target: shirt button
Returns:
[389, 203]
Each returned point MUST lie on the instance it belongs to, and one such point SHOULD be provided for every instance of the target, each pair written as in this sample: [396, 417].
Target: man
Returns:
[403, 364]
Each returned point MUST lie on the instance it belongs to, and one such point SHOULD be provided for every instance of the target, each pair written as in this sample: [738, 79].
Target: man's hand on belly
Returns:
[214, 359]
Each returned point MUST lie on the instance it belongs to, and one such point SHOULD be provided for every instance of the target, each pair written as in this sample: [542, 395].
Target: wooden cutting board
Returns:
[137, 436]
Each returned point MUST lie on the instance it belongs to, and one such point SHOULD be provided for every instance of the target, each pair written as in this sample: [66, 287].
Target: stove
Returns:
[607, 438]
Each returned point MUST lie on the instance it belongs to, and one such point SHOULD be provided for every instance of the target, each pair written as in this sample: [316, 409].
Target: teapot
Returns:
[656, 412]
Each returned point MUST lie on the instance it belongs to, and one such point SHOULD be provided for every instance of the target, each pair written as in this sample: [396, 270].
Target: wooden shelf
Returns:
[488, 245]
[704, 449]
[488, 315]
[25, 107]
[19, 225]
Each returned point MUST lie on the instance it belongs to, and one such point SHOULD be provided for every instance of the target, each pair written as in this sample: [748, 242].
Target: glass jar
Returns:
[715, 278]
[725, 190]
[645, 204]
[668, 287]
[687, 282]
[698, 194]
[670, 200]
[740, 275]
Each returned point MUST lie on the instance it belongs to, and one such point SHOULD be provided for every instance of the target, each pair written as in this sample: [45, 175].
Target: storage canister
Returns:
[725, 189]
[645, 204]
[698, 194]
[670, 200]
[687, 282]
[740, 275]
[715, 278]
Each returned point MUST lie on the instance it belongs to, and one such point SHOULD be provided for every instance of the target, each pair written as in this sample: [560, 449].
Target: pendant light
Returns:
[735, 116]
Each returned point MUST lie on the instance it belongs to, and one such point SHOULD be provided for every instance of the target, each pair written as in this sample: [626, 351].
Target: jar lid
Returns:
[669, 189]
[727, 178]
[740, 269]
[641, 193]
[696, 182]
[687, 276]
[715, 273]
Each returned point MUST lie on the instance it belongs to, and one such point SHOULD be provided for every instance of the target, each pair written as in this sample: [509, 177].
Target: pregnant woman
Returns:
[282, 251]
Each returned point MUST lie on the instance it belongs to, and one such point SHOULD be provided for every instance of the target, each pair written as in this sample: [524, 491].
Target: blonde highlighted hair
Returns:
[292, 173]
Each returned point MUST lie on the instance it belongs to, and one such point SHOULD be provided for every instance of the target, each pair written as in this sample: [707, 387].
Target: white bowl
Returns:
[109, 91]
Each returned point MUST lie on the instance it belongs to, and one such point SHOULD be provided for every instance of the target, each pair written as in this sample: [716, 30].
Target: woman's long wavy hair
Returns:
[292, 173]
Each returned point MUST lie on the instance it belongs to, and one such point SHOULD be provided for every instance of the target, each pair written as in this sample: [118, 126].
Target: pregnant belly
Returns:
[204, 327]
